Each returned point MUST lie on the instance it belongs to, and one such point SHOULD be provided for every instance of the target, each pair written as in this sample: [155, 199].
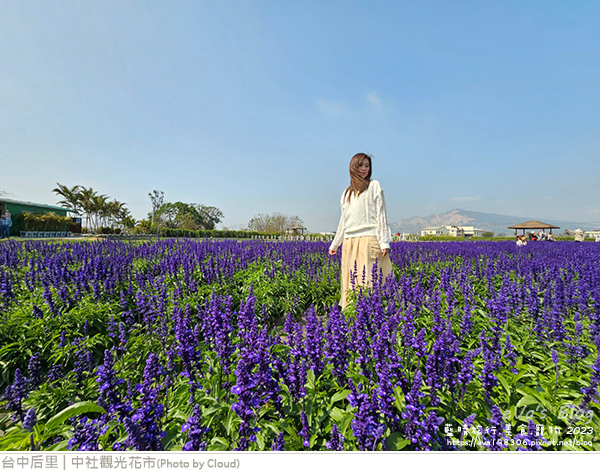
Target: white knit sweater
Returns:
[364, 216]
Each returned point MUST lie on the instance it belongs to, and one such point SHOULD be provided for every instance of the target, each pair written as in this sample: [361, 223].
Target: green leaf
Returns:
[211, 410]
[534, 393]
[346, 423]
[399, 398]
[218, 444]
[310, 379]
[528, 400]
[74, 410]
[341, 395]
[62, 445]
[337, 414]
[504, 383]
[260, 441]
[396, 441]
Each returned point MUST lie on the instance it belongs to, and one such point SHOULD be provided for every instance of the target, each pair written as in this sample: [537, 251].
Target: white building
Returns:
[592, 233]
[470, 231]
[452, 231]
[432, 231]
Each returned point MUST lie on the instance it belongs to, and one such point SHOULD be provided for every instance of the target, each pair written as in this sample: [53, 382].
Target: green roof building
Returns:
[17, 208]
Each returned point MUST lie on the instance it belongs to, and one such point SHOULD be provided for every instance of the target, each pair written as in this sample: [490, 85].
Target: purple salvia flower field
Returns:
[226, 345]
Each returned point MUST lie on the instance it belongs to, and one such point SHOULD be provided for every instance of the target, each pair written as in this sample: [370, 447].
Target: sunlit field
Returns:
[240, 345]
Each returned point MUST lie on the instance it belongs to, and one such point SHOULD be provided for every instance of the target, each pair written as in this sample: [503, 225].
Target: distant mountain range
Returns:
[489, 222]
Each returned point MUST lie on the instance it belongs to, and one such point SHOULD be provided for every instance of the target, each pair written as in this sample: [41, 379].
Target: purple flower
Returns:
[467, 423]
[554, 357]
[16, 393]
[55, 373]
[467, 370]
[293, 371]
[366, 427]
[37, 312]
[144, 431]
[510, 354]
[590, 393]
[529, 441]
[110, 397]
[314, 341]
[337, 440]
[122, 338]
[305, 433]
[491, 349]
[336, 343]
[34, 368]
[414, 415]
[30, 420]
[83, 361]
[247, 402]
[187, 346]
[495, 435]
[195, 430]
[278, 443]
[86, 433]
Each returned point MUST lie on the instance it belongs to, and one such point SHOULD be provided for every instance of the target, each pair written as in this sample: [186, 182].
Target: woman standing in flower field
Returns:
[363, 229]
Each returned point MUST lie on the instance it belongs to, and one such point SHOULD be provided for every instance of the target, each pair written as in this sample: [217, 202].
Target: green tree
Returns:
[272, 223]
[71, 197]
[96, 208]
[157, 198]
[190, 216]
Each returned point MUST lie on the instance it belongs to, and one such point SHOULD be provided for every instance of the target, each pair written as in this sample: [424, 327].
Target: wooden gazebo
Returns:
[295, 229]
[532, 225]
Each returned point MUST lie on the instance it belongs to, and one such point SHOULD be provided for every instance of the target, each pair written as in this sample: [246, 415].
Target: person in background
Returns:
[542, 235]
[363, 229]
[577, 233]
[5, 224]
[550, 236]
[521, 240]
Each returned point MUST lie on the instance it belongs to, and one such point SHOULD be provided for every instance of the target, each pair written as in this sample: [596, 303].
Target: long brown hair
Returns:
[358, 184]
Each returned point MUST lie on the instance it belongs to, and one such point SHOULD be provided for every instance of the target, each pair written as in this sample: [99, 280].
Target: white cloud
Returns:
[331, 108]
[374, 100]
[338, 108]
[466, 198]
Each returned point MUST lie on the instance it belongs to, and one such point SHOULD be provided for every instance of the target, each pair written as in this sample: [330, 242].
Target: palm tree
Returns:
[96, 209]
[99, 209]
[91, 204]
[115, 211]
[71, 197]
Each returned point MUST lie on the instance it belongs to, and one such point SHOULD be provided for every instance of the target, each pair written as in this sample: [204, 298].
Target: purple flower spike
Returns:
[30, 420]
[16, 393]
[279, 443]
[196, 431]
[337, 440]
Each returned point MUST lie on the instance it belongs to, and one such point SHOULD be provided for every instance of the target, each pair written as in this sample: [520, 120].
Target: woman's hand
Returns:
[385, 251]
[332, 252]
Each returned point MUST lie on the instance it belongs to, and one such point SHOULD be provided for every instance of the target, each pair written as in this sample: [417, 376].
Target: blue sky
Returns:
[258, 106]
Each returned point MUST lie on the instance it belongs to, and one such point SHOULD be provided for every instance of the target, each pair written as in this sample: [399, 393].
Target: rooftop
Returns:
[533, 224]
[33, 204]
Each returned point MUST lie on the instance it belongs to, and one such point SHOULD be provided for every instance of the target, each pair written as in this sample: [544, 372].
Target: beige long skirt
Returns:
[358, 257]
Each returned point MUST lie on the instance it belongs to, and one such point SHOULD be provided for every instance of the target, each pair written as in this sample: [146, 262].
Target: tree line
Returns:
[180, 215]
[96, 209]
[273, 223]
[99, 211]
